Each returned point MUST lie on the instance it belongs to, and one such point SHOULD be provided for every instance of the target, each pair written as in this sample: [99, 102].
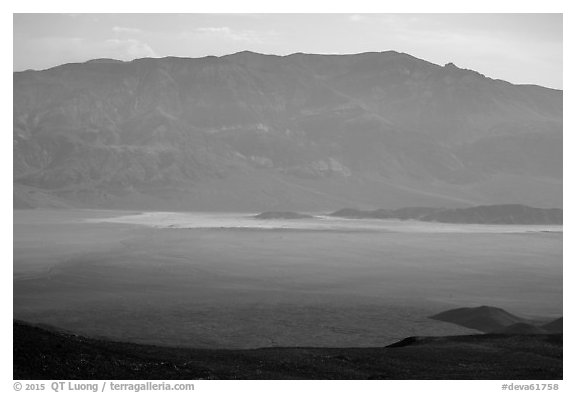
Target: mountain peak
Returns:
[104, 61]
[246, 53]
[454, 69]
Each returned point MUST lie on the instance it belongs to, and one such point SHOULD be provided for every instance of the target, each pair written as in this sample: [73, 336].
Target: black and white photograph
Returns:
[286, 196]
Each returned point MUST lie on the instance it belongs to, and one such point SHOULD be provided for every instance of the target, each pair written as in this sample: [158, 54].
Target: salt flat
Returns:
[227, 280]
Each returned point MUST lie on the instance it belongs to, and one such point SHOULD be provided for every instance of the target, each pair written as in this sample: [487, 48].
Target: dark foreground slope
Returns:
[47, 354]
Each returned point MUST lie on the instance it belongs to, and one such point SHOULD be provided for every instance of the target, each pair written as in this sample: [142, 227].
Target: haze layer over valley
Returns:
[216, 280]
[252, 132]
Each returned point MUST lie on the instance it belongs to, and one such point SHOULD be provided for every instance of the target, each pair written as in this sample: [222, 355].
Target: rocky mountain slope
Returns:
[254, 132]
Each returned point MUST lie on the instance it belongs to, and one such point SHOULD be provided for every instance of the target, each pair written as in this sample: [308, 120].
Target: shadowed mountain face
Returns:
[249, 131]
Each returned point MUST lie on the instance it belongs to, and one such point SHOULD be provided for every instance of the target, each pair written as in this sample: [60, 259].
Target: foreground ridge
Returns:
[46, 353]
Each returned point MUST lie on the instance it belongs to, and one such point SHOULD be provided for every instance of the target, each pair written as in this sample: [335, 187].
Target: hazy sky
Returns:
[520, 48]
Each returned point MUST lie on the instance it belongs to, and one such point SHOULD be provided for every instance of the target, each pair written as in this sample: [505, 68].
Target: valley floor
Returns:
[241, 289]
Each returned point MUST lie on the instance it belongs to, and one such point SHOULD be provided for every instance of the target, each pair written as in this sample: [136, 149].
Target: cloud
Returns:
[128, 48]
[218, 30]
[129, 30]
[226, 33]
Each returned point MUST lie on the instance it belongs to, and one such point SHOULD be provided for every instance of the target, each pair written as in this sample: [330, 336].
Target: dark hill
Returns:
[498, 214]
[556, 326]
[493, 214]
[299, 132]
[48, 354]
[484, 318]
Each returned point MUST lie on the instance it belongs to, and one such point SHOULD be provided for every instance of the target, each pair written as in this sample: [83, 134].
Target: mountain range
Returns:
[300, 132]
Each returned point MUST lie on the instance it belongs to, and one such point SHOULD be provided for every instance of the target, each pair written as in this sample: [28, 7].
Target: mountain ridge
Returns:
[249, 52]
